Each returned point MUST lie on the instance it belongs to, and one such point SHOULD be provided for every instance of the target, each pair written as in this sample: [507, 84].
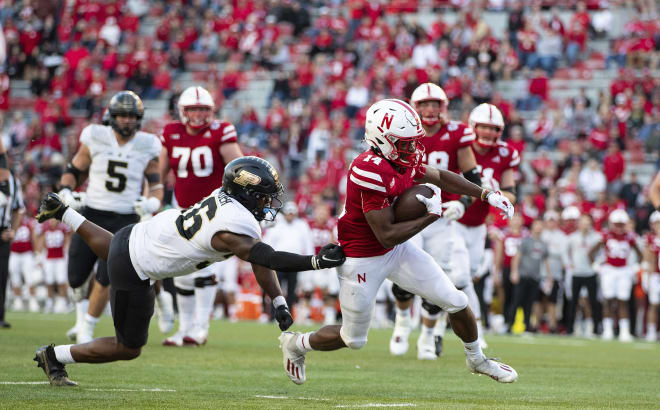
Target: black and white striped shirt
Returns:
[14, 203]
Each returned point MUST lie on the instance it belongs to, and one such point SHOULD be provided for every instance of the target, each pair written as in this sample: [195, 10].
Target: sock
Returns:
[473, 350]
[91, 321]
[651, 329]
[63, 354]
[231, 310]
[588, 327]
[381, 311]
[427, 332]
[302, 342]
[186, 306]
[608, 325]
[480, 331]
[441, 325]
[624, 326]
[402, 313]
[81, 310]
[73, 219]
[204, 298]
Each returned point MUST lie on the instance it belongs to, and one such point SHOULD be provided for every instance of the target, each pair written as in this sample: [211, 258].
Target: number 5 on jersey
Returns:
[120, 184]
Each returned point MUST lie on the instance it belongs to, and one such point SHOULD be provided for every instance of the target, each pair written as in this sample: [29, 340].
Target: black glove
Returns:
[329, 256]
[283, 317]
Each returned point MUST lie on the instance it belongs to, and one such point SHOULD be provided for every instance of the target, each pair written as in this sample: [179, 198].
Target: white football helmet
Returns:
[618, 216]
[195, 97]
[431, 92]
[393, 128]
[490, 115]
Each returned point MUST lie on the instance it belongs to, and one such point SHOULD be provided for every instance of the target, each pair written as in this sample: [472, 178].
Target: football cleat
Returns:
[399, 340]
[625, 337]
[493, 368]
[293, 358]
[174, 340]
[45, 358]
[438, 346]
[51, 207]
[608, 334]
[196, 337]
[426, 348]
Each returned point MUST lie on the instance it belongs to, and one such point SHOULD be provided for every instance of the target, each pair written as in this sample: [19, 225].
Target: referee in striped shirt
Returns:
[11, 211]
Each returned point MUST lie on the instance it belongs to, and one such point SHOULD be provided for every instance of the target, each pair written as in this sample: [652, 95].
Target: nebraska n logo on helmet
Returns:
[254, 183]
[392, 130]
[195, 97]
[125, 103]
[430, 115]
[490, 117]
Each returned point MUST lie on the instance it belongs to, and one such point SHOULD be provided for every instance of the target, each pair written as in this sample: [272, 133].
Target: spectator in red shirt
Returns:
[75, 54]
[539, 88]
[577, 33]
[162, 80]
[613, 165]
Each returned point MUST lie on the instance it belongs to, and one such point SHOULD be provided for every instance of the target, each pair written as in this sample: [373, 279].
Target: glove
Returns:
[3, 199]
[283, 317]
[499, 201]
[329, 256]
[74, 200]
[434, 203]
[453, 210]
[146, 206]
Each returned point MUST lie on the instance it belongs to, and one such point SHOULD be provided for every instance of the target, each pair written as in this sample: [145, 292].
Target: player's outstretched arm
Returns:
[254, 251]
[390, 233]
[654, 191]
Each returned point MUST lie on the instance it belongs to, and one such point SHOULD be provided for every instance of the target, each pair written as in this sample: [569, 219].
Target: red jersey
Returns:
[510, 246]
[372, 184]
[617, 247]
[23, 238]
[441, 149]
[491, 165]
[54, 240]
[322, 234]
[196, 160]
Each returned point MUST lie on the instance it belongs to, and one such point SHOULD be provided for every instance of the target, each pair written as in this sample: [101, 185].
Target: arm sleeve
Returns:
[264, 255]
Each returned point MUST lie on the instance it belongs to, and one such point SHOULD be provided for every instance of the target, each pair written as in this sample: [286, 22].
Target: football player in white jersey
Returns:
[175, 243]
[116, 158]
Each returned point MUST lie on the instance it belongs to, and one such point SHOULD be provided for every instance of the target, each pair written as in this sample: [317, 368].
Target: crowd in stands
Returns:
[329, 60]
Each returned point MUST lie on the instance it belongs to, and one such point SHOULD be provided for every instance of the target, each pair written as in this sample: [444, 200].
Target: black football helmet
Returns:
[125, 103]
[254, 183]
[105, 119]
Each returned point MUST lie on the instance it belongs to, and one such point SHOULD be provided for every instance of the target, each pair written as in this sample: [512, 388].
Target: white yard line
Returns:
[263, 396]
[156, 389]
[24, 382]
[354, 406]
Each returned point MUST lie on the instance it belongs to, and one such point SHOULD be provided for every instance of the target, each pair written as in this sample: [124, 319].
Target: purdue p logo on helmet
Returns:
[254, 183]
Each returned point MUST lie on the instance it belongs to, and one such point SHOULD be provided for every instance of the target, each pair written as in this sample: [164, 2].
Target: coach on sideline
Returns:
[11, 208]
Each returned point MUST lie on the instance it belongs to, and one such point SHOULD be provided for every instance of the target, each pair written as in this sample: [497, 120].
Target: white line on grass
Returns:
[344, 406]
[261, 396]
[138, 390]
[24, 382]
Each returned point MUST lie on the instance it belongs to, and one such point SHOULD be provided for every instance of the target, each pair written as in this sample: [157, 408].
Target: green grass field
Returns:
[241, 367]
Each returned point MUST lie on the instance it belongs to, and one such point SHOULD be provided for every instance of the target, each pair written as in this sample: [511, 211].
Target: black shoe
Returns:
[45, 358]
[4, 324]
[51, 207]
[438, 346]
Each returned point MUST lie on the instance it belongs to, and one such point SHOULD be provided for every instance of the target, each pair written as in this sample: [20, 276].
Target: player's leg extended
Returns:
[185, 301]
[654, 301]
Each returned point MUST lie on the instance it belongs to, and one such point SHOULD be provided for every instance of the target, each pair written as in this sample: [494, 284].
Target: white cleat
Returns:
[399, 340]
[494, 369]
[625, 337]
[608, 335]
[33, 305]
[17, 305]
[426, 348]
[293, 359]
[72, 334]
[174, 340]
[165, 311]
[196, 337]
[651, 337]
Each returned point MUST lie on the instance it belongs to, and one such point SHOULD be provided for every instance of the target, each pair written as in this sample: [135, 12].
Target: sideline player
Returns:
[651, 253]
[196, 148]
[446, 146]
[378, 248]
[616, 276]
[117, 158]
[497, 162]
[175, 243]
[55, 239]
[23, 268]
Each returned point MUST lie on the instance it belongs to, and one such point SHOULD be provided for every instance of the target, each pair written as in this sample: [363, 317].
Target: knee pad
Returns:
[401, 294]
[205, 281]
[429, 310]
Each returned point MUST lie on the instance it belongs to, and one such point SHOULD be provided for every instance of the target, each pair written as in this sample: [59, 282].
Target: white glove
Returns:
[499, 201]
[454, 210]
[146, 206]
[74, 200]
[434, 203]
[490, 183]
[3, 199]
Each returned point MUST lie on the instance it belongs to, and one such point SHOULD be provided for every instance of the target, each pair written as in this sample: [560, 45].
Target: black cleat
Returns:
[45, 358]
[51, 207]
[4, 325]
[438, 346]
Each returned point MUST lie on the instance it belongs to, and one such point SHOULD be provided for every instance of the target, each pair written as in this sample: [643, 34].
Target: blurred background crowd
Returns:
[578, 83]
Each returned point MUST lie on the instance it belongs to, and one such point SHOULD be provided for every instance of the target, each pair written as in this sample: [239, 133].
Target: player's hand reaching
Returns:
[74, 200]
[453, 210]
[434, 203]
[283, 317]
[329, 256]
[499, 201]
[146, 206]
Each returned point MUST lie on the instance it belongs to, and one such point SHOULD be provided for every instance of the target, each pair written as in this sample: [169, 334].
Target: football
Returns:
[407, 207]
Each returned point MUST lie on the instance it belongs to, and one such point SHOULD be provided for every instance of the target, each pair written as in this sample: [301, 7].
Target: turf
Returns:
[241, 367]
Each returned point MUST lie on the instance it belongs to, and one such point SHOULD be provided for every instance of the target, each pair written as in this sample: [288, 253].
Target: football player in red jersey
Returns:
[196, 148]
[653, 265]
[22, 269]
[378, 248]
[446, 146]
[55, 238]
[616, 276]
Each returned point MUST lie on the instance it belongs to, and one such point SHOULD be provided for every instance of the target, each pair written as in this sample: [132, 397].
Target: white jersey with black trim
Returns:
[116, 172]
[178, 242]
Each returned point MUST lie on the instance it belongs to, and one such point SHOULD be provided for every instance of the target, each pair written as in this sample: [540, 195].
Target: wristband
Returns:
[279, 301]
[484, 194]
